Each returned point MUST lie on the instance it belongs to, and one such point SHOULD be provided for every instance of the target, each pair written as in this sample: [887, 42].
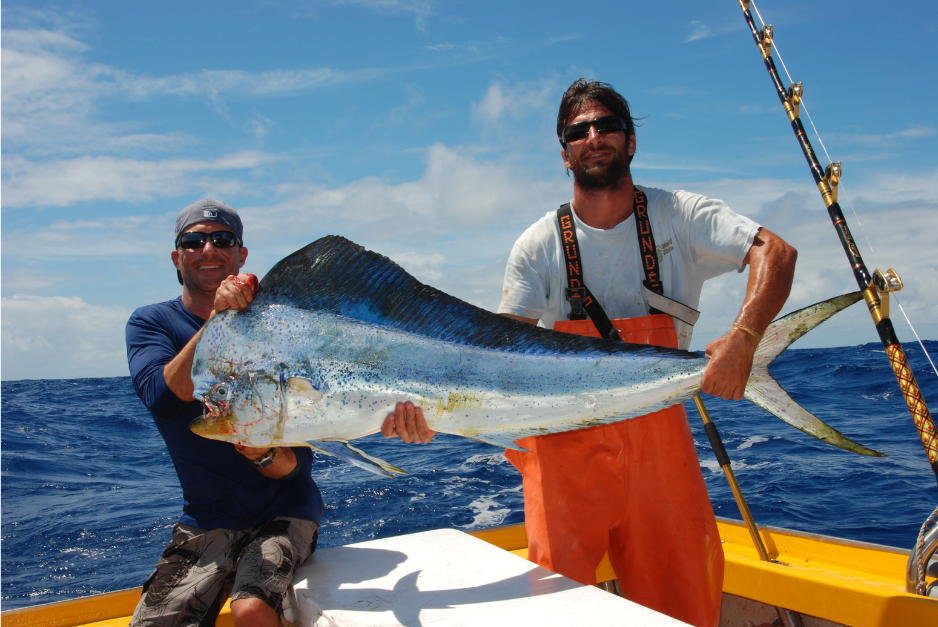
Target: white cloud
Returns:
[461, 214]
[21, 280]
[893, 188]
[420, 9]
[698, 30]
[61, 338]
[104, 238]
[458, 198]
[503, 100]
[51, 93]
[884, 139]
[66, 182]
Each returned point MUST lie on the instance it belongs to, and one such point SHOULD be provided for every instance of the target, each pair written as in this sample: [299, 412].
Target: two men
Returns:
[634, 488]
[250, 515]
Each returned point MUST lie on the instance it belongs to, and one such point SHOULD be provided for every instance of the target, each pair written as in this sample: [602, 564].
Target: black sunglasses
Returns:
[220, 239]
[606, 124]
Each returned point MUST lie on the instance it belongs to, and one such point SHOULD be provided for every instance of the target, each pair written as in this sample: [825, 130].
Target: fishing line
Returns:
[843, 188]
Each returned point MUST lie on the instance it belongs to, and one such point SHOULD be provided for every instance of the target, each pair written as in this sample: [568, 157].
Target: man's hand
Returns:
[235, 292]
[408, 424]
[730, 363]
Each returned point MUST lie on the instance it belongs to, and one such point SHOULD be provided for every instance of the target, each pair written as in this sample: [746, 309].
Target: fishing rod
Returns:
[787, 618]
[875, 287]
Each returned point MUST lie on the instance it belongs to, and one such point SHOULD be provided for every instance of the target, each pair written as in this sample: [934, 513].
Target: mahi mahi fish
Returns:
[338, 334]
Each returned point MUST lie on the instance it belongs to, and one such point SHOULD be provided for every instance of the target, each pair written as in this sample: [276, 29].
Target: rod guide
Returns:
[795, 91]
[832, 177]
[766, 40]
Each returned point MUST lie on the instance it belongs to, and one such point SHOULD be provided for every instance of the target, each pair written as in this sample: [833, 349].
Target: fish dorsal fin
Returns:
[346, 452]
[334, 275]
[298, 386]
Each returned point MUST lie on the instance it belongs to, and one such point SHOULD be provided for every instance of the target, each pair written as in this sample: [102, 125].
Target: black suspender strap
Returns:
[582, 303]
[577, 294]
[646, 247]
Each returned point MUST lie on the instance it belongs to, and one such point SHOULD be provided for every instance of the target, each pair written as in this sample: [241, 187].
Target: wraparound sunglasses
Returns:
[573, 133]
[220, 239]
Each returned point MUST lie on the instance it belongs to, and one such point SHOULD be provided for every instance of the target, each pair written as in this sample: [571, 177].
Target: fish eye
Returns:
[221, 390]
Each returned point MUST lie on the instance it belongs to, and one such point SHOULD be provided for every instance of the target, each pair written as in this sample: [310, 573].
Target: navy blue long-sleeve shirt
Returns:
[220, 487]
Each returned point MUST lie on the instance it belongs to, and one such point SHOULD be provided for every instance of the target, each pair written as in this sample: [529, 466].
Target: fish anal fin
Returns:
[502, 440]
[346, 452]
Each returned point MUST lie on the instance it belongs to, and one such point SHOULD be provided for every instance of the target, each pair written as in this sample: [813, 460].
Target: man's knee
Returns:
[253, 612]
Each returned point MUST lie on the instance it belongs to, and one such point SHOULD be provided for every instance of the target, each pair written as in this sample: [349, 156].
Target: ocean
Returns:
[89, 495]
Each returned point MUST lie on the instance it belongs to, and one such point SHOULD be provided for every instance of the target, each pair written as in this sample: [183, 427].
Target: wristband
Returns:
[746, 329]
[265, 460]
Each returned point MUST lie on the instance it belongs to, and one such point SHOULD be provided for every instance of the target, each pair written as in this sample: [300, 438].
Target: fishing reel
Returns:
[883, 283]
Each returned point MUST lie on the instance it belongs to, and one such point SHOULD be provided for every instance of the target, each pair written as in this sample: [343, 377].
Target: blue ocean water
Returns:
[89, 495]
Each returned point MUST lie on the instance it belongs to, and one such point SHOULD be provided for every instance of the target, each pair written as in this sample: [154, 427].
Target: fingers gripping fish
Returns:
[337, 335]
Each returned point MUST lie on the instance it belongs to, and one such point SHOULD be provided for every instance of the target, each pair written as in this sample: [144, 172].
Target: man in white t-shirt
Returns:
[634, 488]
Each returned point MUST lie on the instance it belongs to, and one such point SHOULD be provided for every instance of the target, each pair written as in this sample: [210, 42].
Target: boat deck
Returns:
[852, 583]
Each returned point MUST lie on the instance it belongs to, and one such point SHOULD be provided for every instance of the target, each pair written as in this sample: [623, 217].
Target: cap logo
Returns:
[210, 213]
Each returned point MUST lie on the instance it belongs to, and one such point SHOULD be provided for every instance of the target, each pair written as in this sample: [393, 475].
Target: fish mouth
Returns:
[215, 425]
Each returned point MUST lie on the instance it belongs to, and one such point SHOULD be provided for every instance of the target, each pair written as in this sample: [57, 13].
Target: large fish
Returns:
[337, 335]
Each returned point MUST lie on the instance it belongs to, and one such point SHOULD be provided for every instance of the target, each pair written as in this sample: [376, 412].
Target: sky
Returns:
[424, 130]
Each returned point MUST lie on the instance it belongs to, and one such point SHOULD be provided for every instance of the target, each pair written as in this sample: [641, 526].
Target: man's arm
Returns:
[284, 460]
[235, 292]
[520, 318]
[771, 264]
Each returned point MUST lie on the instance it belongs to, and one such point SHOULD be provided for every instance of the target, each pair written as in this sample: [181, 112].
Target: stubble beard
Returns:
[599, 177]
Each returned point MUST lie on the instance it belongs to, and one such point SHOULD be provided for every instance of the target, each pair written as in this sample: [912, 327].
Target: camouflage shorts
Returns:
[200, 568]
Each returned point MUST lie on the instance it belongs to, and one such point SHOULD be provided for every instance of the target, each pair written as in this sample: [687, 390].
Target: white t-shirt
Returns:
[697, 238]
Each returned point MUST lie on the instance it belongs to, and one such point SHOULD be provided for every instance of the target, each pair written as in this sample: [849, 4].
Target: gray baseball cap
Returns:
[208, 210]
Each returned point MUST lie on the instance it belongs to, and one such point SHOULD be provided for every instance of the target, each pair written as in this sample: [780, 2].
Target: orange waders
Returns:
[633, 488]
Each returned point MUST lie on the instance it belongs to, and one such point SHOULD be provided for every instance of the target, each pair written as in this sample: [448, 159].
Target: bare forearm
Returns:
[520, 318]
[178, 372]
[235, 292]
[771, 271]
[283, 464]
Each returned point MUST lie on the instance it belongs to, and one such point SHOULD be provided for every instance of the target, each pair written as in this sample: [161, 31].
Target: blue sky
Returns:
[425, 131]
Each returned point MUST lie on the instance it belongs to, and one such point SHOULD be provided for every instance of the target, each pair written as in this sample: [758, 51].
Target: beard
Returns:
[597, 177]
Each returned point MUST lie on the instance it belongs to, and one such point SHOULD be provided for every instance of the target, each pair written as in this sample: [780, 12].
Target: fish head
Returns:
[244, 407]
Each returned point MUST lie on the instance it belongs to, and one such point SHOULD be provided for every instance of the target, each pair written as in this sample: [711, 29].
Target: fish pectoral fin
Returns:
[502, 440]
[298, 386]
[346, 452]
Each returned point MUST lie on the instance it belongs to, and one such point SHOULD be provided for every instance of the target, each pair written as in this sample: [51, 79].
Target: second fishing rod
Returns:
[876, 287]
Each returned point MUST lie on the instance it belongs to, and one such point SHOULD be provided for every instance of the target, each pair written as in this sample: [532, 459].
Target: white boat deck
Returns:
[446, 577]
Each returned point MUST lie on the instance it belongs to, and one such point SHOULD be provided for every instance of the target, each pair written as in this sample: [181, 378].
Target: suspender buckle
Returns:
[575, 296]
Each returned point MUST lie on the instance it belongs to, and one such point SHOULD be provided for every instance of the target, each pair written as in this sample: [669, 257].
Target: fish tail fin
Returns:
[763, 390]
[346, 452]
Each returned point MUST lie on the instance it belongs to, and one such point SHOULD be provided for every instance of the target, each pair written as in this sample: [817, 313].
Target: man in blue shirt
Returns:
[250, 515]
